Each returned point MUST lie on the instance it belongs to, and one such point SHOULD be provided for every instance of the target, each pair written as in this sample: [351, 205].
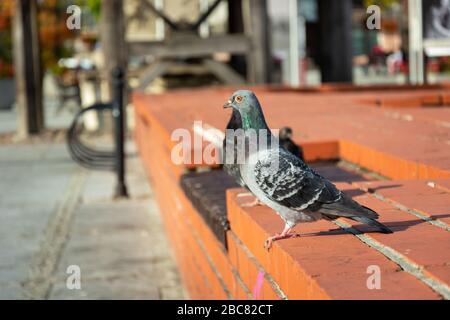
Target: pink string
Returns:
[258, 286]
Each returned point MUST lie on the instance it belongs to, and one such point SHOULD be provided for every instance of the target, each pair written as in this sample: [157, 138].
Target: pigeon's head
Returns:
[243, 100]
[246, 103]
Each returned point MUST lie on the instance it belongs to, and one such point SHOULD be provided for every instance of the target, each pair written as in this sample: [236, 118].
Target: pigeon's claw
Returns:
[284, 235]
[268, 243]
[254, 203]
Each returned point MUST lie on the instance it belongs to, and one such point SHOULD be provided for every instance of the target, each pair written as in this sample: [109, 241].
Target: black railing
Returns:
[91, 158]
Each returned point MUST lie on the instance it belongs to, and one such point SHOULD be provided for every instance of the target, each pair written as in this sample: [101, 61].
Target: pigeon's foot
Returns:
[268, 243]
[284, 235]
[254, 203]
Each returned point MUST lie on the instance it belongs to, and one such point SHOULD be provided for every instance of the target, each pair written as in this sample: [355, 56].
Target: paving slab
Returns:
[119, 245]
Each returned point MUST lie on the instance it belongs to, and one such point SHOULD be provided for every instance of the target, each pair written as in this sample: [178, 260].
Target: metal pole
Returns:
[416, 56]
[294, 76]
[119, 131]
[112, 36]
[30, 116]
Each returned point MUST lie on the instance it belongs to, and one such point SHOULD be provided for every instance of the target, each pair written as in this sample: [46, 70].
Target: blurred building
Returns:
[207, 42]
[332, 40]
[380, 55]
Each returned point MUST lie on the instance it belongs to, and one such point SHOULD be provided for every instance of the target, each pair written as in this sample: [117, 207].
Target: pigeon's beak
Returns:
[228, 104]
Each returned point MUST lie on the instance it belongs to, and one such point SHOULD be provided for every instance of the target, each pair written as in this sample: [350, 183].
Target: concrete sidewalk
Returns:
[55, 214]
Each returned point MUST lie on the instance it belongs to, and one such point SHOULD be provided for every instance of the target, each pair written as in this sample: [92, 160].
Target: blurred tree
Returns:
[6, 56]
[53, 33]
[95, 7]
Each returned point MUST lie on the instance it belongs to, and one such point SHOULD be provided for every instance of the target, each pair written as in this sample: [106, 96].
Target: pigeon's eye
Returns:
[239, 99]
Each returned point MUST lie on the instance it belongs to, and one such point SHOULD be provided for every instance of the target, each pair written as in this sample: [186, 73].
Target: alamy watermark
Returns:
[374, 280]
[373, 21]
[73, 281]
[73, 22]
[205, 146]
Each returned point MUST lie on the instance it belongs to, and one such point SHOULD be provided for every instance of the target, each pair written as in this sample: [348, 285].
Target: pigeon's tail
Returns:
[372, 222]
[348, 208]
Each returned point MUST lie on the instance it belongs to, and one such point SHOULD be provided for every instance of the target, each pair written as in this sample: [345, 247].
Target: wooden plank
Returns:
[257, 29]
[223, 72]
[191, 46]
[152, 72]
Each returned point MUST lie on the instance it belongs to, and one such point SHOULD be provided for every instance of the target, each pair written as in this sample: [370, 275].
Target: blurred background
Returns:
[168, 44]
[173, 43]
[56, 59]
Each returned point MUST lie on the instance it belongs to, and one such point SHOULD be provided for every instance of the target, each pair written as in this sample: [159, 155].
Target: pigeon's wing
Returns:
[296, 186]
[288, 181]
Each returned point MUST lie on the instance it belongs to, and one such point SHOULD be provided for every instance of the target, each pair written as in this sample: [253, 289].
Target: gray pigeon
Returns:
[285, 183]
[235, 123]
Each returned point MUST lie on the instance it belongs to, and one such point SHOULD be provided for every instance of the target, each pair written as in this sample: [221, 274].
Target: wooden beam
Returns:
[27, 69]
[223, 72]
[161, 15]
[151, 72]
[257, 29]
[236, 26]
[191, 46]
[205, 15]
